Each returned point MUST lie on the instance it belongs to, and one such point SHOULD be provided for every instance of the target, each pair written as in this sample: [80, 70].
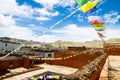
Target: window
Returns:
[10, 65]
[49, 55]
[6, 45]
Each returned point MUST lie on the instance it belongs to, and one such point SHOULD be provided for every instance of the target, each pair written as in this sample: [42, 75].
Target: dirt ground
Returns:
[111, 69]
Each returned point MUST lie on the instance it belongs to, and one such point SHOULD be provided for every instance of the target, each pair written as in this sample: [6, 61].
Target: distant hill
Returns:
[60, 43]
[63, 44]
[113, 40]
[94, 43]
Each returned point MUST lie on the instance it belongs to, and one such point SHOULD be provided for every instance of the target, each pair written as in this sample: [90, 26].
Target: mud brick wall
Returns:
[74, 62]
[112, 50]
[76, 48]
[10, 63]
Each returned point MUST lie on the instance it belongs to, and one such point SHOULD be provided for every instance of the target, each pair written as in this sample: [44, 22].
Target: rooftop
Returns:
[46, 67]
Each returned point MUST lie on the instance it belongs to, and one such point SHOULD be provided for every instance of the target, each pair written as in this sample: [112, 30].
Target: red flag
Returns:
[96, 22]
[100, 34]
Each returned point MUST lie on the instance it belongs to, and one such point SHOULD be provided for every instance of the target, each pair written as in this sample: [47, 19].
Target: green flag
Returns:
[81, 2]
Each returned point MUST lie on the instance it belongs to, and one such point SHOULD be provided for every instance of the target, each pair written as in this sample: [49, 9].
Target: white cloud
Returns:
[37, 28]
[112, 17]
[32, 25]
[16, 32]
[48, 38]
[46, 3]
[113, 33]
[42, 18]
[11, 7]
[74, 30]
[52, 3]
[45, 12]
[65, 3]
[94, 18]
[80, 18]
[78, 34]
[8, 28]
[71, 33]
[6, 21]
[98, 11]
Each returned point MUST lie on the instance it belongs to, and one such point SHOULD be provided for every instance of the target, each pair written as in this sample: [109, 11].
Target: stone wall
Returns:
[8, 46]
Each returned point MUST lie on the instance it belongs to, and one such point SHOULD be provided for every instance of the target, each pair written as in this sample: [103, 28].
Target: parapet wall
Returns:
[74, 62]
[112, 50]
[15, 63]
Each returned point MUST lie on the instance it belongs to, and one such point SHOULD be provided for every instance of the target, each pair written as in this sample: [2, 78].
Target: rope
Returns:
[60, 21]
[59, 58]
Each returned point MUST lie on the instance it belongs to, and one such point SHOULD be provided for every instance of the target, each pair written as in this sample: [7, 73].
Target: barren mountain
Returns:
[94, 43]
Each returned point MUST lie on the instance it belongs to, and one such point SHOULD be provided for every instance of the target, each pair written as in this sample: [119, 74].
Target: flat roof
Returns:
[11, 58]
[46, 67]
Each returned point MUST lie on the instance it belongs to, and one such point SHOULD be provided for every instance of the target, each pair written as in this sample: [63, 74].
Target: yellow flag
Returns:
[64, 58]
[38, 58]
[88, 6]
[51, 58]
[100, 27]
[57, 77]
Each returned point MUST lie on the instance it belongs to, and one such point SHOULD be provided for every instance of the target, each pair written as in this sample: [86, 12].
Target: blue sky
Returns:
[26, 19]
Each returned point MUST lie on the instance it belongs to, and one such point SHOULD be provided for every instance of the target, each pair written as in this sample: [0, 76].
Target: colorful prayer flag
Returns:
[96, 22]
[88, 6]
[81, 2]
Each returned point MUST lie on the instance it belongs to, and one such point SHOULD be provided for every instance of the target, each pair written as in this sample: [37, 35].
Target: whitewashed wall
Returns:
[9, 47]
